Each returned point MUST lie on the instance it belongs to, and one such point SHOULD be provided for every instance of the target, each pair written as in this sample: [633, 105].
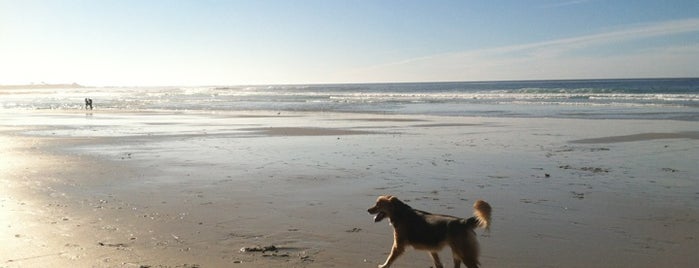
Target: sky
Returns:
[216, 42]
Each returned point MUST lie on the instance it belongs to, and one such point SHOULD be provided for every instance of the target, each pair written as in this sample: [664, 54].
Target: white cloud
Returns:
[550, 59]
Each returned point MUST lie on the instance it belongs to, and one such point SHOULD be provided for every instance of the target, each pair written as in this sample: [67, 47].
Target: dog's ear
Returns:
[384, 197]
[392, 198]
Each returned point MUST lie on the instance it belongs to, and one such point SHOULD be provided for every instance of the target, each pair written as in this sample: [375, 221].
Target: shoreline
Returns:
[140, 195]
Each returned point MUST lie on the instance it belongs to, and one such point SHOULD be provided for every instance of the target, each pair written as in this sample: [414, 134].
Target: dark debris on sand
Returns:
[259, 249]
[186, 265]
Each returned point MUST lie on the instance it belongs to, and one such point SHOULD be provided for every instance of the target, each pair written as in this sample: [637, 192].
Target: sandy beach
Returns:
[198, 189]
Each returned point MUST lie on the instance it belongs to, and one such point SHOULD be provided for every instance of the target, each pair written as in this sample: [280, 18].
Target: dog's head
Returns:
[385, 206]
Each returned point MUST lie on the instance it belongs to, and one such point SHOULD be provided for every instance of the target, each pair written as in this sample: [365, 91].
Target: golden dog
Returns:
[431, 232]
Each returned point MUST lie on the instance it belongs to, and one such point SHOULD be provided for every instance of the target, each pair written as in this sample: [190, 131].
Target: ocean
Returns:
[662, 99]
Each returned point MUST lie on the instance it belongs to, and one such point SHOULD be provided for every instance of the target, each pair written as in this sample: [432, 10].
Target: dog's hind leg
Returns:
[471, 263]
[435, 259]
[397, 250]
[465, 249]
[466, 258]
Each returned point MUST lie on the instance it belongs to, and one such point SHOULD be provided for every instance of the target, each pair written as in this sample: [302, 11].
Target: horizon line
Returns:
[79, 85]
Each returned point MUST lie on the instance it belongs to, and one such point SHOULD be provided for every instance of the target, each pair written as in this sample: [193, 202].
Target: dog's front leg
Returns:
[457, 263]
[397, 249]
[435, 259]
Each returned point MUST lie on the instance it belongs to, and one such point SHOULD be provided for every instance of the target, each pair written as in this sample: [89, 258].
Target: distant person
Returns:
[88, 103]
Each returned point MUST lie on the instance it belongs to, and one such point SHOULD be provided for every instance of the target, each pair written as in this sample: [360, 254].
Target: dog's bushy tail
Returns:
[481, 213]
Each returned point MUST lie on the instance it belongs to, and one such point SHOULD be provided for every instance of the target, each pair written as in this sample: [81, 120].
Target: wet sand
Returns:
[694, 135]
[152, 189]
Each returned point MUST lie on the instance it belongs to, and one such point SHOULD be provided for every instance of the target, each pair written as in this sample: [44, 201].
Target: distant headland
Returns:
[41, 85]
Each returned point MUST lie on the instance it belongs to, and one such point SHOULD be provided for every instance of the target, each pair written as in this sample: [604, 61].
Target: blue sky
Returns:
[214, 42]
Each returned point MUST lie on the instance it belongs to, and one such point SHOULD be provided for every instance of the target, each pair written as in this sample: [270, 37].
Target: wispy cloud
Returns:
[482, 63]
[565, 3]
[639, 32]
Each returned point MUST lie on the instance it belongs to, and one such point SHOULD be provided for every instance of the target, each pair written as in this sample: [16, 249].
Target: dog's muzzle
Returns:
[379, 214]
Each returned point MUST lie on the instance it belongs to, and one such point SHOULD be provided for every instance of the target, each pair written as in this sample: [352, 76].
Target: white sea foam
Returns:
[666, 97]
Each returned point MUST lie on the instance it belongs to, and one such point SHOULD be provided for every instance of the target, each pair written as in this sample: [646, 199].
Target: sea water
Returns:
[676, 98]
